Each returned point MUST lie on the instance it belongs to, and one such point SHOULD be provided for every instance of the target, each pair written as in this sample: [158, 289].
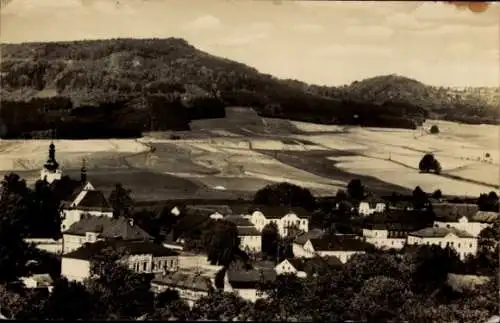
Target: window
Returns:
[459, 244]
[470, 245]
[144, 266]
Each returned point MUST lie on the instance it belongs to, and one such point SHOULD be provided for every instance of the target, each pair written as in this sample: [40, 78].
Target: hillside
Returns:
[163, 84]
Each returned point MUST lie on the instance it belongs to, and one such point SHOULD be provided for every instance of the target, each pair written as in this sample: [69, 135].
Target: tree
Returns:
[286, 195]
[221, 306]
[488, 202]
[429, 163]
[356, 190]
[221, 242]
[379, 299]
[437, 194]
[270, 241]
[70, 301]
[45, 215]
[121, 201]
[121, 293]
[169, 306]
[420, 199]
[434, 129]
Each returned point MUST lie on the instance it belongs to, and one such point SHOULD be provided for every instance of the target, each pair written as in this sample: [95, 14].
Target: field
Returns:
[235, 156]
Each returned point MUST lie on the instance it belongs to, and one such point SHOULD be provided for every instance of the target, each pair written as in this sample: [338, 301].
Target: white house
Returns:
[191, 286]
[250, 238]
[301, 240]
[88, 201]
[245, 282]
[472, 224]
[341, 247]
[216, 216]
[284, 218]
[90, 229]
[387, 235]
[462, 242]
[302, 267]
[38, 281]
[371, 206]
[141, 257]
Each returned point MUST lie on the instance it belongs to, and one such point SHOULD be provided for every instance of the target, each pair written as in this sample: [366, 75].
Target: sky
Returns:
[326, 43]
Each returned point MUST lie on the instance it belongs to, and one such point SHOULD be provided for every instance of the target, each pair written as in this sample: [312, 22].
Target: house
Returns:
[284, 218]
[248, 235]
[462, 242]
[191, 286]
[141, 257]
[90, 229]
[342, 247]
[38, 281]
[301, 240]
[46, 244]
[246, 282]
[216, 216]
[371, 205]
[303, 267]
[88, 201]
[470, 223]
[388, 235]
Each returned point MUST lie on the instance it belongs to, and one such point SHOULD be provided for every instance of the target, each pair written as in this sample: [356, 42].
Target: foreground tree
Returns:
[488, 202]
[121, 293]
[434, 129]
[285, 194]
[221, 306]
[221, 242]
[270, 241]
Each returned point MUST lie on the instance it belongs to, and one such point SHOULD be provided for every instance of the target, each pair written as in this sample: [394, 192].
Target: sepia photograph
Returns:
[250, 160]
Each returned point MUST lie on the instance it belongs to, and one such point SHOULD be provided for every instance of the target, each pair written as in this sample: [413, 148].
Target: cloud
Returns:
[369, 31]
[240, 40]
[352, 50]
[203, 23]
[308, 28]
[401, 20]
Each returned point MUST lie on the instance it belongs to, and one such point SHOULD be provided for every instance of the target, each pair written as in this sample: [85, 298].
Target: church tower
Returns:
[51, 171]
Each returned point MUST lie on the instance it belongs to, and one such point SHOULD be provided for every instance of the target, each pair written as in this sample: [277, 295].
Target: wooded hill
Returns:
[126, 86]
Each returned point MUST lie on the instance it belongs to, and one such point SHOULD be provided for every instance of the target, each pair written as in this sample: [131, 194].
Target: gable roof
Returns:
[184, 280]
[439, 233]
[339, 243]
[108, 228]
[238, 220]
[311, 234]
[279, 211]
[94, 200]
[88, 250]
[249, 278]
[42, 279]
[248, 231]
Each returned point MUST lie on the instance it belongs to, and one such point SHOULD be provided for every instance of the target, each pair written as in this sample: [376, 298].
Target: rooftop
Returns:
[108, 228]
[184, 280]
[278, 212]
[89, 250]
[238, 220]
[439, 233]
[311, 234]
[248, 231]
[94, 200]
[339, 243]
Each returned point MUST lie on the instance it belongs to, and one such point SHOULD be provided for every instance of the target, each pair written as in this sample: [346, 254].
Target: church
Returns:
[80, 197]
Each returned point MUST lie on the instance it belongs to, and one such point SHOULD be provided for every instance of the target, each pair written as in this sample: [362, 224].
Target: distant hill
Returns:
[132, 85]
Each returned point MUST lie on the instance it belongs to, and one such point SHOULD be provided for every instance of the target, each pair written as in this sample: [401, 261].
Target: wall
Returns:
[463, 246]
[387, 243]
[251, 243]
[75, 269]
[49, 245]
[472, 228]
[342, 255]
[71, 216]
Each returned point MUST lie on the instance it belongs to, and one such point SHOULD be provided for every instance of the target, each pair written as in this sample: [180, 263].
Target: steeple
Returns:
[51, 163]
[83, 173]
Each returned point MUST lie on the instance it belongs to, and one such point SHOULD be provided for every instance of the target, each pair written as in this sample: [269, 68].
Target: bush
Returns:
[434, 129]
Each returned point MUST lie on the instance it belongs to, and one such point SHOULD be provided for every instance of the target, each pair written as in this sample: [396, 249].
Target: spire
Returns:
[51, 163]
[83, 172]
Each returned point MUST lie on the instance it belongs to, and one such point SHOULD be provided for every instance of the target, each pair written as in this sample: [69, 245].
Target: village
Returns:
[275, 240]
